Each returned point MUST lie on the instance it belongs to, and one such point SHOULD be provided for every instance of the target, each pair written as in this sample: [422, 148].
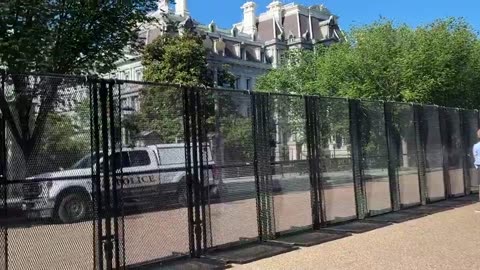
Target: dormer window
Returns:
[242, 54]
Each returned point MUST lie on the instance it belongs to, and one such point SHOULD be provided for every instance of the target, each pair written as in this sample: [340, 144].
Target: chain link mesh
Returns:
[373, 143]
[336, 159]
[232, 188]
[249, 154]
[403, 153]
[153, 193]
[454, 151]
[432, 146]
[470, 127]
[291, 182]
[48, 147]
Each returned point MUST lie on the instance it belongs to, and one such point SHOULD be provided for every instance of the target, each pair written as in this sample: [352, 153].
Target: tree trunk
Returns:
[26, 129]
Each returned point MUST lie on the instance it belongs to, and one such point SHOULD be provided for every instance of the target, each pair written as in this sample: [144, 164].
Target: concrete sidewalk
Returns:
[447, 240]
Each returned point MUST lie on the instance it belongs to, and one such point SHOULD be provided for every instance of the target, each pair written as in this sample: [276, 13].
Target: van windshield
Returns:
[85, 162]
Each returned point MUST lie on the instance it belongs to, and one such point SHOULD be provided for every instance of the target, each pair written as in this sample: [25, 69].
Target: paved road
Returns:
[444, 241]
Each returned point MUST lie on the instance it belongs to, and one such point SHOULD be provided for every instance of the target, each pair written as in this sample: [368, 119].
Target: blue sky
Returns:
[351, 12]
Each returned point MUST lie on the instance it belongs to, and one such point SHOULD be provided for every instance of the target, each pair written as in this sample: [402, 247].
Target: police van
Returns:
[151, 174]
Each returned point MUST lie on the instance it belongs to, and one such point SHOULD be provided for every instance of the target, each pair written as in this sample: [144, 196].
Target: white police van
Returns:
[155, 172]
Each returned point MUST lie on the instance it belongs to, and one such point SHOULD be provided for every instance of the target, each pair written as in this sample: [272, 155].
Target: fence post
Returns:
[3, 182]
[392, 158]
[187, 119]
[313, 143]
[96, 179]
[464, 129]
[357, 159]
[418, 116]
[262, 165]
[477, 115]
[443, 138]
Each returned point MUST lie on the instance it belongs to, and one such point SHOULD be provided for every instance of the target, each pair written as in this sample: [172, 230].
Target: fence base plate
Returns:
[450, 204]
[398, 217]
[428, 209]
[184, 264]
[473, 198]
[357, 226]
[250, 252]
[306, 239]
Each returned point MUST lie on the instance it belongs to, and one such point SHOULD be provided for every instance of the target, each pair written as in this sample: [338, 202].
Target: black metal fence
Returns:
[104, 174]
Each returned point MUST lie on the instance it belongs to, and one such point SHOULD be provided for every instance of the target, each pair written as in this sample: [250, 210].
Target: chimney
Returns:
[275, 9]
[181, 8]
[249, 17]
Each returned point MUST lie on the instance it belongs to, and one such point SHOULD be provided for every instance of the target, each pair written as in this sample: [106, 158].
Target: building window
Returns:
[138, 75]
[248, 84]
[135, 104]
[242, 54]
[237, 83]
[127, 75]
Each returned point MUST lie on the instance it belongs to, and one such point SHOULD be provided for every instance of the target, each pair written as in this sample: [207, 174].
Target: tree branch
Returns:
[45, 108]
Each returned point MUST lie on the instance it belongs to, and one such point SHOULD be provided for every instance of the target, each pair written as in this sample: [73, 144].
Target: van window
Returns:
[139, 158]
[121, 160]
[85, 162]
[170, 156]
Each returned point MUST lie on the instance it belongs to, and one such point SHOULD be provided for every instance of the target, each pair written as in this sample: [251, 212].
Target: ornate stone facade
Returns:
[252, 46]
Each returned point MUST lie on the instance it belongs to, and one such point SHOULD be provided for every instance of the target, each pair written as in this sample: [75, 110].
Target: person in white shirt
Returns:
[476, 152]
[476, 156]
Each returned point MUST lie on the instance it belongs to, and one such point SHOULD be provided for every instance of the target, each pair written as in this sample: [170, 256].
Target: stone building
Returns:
[249, 48]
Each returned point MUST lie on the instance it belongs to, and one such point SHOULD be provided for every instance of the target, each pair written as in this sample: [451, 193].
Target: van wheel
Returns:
[73, 207]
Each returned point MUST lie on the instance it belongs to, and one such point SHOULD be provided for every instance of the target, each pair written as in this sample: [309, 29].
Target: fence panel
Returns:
[290, 168]
[374, 157]
[232, 197]
[470, 122]
[403, 153]
[154, 195]
[433, 149]
[49, 173]
[453, 147]
[336, 160]
[253, 161]
[3, 184]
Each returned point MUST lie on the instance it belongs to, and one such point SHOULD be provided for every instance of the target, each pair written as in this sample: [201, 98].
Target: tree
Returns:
[66, 37]
[178, 59]
[173, 59]
[63, 143]
[438, 63]
[183, 60]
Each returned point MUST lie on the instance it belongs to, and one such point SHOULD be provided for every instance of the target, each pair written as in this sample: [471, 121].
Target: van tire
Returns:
[73, 207]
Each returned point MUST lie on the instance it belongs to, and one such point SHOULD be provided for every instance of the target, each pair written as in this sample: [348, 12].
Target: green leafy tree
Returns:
[66, 37]
[178, 59]
[64, 143]
[437, 63]
[173, 59]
